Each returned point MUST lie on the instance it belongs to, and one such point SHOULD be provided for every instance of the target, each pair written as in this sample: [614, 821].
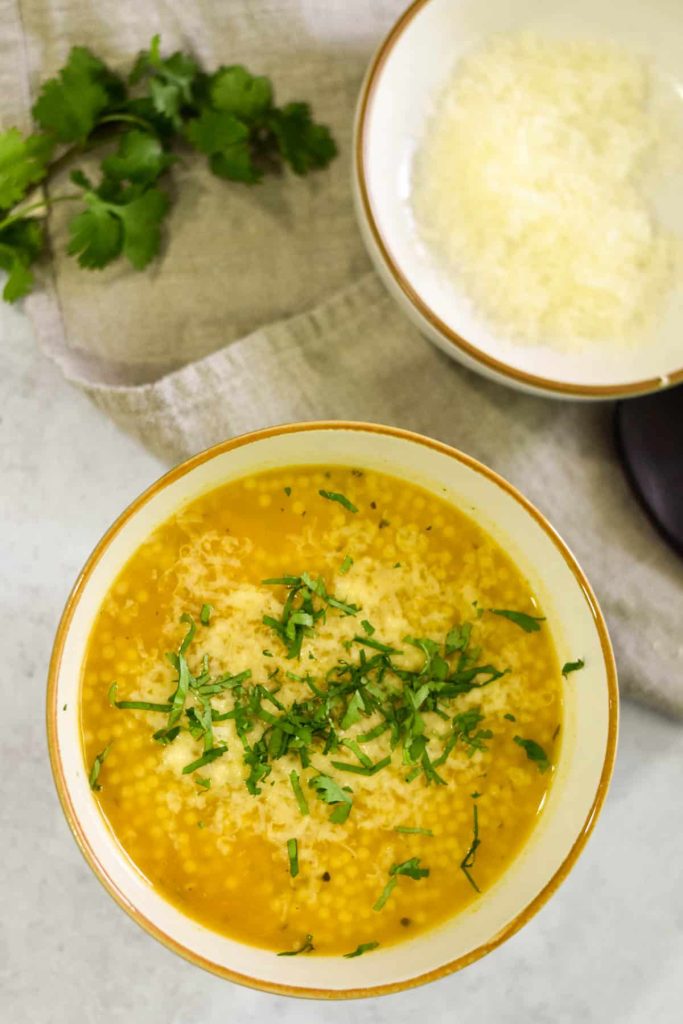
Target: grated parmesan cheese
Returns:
[529, 186]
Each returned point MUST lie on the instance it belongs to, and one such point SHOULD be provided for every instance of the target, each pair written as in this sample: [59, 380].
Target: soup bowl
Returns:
[581, 775]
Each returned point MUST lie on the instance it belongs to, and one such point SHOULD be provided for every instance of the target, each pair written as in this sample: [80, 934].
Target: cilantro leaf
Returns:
[307, 947]
[458, 638]
[236, 91]
[70, 104]
[142, 226]
[330, 792]
[535, 753]
[140, 158]
[129, 223]
[572, 666]
[303, 144]
[23, 162]
[172, 80]
[529, 623]
[225, 140]
[411, 868]
[97, 768]
[340, 498]
[364, 947]
[96, 235]
[20, 245]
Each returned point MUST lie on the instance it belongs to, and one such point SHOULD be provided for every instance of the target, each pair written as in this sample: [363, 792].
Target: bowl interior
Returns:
[590, 715]
[413, 67]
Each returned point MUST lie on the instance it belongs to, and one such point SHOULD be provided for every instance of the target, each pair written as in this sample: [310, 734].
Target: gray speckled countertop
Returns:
[608, 948]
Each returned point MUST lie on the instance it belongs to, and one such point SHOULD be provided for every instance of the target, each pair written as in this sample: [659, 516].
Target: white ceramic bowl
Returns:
[407, 73]
[590, 725]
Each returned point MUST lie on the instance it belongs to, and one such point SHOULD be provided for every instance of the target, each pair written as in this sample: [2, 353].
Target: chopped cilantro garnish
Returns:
[298, 792]
[307, 947]
[510, 718]
[572, 666]
[376, 645]
[206, 758]
[97, 768]
[293, 854]
[385, 894]
[458, 638]
[361, 769]
[410, 868]
[341, 498]
[346, 565]
[205, 614]
[535, 753]
[288, 491]
[142, 705]
[529, 623]
[330, 792]
[364, 947]
[299, 612]
[468, 860]
[408, 831]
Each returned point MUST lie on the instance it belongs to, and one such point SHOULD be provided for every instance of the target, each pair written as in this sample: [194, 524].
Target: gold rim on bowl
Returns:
[72, 816]
[485, 361]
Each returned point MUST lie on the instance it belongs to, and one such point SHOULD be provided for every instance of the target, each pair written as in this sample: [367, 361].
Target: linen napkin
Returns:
[263, 308]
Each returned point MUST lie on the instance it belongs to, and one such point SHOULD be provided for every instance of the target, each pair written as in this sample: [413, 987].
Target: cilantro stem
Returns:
[41, 203]
[123, 118]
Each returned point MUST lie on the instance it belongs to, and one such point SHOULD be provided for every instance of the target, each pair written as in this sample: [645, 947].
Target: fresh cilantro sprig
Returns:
[163, 106]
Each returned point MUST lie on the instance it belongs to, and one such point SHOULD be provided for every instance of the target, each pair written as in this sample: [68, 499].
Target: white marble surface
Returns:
[607, 949]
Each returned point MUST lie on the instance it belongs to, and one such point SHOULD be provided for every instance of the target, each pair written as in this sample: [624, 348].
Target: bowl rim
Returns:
[71, 814]
[486, 362]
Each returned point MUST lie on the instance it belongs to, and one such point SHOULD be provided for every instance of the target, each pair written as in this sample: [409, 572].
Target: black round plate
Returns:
[649, 434]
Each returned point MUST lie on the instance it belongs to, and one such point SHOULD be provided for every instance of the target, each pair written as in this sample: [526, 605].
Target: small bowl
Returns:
[397, 99]
[590, 722]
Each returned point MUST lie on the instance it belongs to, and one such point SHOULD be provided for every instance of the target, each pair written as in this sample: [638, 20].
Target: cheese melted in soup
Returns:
[343, 757]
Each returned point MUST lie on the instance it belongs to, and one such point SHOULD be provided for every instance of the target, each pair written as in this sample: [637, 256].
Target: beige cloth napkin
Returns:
[264, 310]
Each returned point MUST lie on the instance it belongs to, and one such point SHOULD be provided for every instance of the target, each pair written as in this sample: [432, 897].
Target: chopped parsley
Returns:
[97, 768]
[364, 947]
[205, 614]
[468, 860]
[572, 666]
[510, 718]
[288, 491]
[529, 623]
[307, 947]
[535, 753]
[340, 498]
[293, 855]
[367, 626]
[203, 782]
